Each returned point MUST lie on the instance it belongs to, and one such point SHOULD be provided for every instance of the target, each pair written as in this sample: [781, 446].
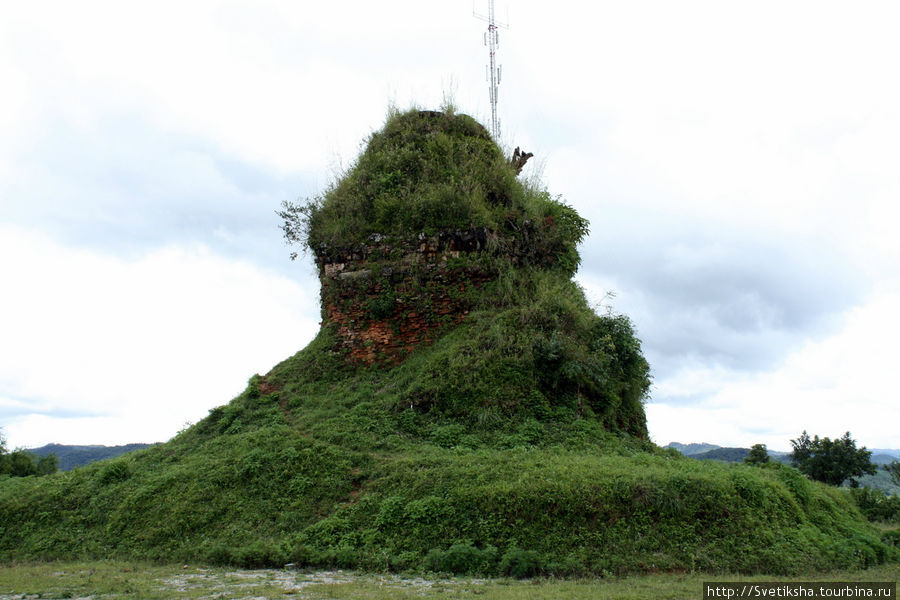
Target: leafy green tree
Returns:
[20, 463]
[893, 469]
[4, 456]
[831, 461]
[47, 465]
[759, 455]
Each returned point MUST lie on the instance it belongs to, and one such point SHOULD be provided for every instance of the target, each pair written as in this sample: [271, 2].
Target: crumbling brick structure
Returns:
[387, 296]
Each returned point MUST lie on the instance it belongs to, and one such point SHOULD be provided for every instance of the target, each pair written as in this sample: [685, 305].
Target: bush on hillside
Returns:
[876, 505]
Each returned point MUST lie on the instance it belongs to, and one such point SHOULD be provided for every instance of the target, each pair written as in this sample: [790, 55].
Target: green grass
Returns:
[124, 580]
[356, 492]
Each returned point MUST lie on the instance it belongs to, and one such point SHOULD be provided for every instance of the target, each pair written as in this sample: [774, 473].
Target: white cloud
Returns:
[144, 343]
[275, 82]
[846, 382]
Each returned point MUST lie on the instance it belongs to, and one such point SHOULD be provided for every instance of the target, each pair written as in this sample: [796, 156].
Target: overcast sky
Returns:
[738, 162]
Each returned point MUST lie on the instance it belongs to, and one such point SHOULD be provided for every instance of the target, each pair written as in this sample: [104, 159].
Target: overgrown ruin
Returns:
[462, 409]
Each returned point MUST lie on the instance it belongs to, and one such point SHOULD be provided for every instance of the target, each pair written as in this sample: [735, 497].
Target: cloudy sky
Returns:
[738, 162]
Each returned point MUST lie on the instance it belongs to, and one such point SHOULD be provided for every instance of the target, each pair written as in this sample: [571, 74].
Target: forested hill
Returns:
[703, 451]
[78, 456]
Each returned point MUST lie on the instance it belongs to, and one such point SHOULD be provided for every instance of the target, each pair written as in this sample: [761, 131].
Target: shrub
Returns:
[891, 538]
[462, 558]
[448, 436]
[876, 505]
[258, 555]
[114, 472]
[520, 563]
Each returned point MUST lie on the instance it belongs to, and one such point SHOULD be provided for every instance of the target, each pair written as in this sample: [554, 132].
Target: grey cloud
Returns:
[720, 296]
[26, 408]
[126, 186]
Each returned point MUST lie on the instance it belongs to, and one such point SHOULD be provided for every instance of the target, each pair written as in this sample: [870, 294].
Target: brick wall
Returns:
[387, 297]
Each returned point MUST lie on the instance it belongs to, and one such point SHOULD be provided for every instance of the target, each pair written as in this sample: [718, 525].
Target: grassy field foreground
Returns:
[122, 580]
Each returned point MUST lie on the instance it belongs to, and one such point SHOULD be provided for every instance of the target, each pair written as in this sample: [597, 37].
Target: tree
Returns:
[831, 461]
[893, 469]
[298, 221]
[759, 455]
[47, 464]
[4, 456]
[21, 463]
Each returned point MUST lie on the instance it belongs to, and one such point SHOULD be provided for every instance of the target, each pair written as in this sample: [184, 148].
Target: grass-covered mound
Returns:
[514, 443]
[331, 473]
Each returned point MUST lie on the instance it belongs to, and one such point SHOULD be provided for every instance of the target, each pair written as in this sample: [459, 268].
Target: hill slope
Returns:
[325, 476]
[462, 409]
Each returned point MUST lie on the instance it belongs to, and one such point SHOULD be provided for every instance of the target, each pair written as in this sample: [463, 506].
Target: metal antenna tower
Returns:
[494, 70]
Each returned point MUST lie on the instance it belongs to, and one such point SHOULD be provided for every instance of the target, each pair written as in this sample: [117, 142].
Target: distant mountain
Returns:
[691, 449]
[77, 456]
[883, 457]
[880, 456]
[879, 480]
[726, 454]
[893, 453]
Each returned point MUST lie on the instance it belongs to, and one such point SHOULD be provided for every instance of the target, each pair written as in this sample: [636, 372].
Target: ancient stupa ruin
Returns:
[462, 409]
[432, 224]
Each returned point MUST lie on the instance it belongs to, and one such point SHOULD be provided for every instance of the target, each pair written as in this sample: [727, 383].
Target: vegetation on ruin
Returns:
[322, 474]
[427, 172]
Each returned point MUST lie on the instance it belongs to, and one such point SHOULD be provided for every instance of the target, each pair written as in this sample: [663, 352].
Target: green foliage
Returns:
[538, 353]
[428, 172]
[448, 435]
[893, 469]
[891, 538]
[382, 306]
[759, 455]
[423, 172]
[831, 462]
[21, 463]
[462, 558]
[520, 563]
[113, 472]
[47, 465]
[876, 505]
[577, 500]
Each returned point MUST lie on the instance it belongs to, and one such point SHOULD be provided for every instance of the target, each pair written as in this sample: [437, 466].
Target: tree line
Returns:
[21, 463]
[829, 461]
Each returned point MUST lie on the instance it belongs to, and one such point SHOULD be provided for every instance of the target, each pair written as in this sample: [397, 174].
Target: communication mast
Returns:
[491, 40]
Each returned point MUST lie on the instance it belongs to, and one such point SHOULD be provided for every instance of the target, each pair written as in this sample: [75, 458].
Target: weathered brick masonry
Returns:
[386, 297]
